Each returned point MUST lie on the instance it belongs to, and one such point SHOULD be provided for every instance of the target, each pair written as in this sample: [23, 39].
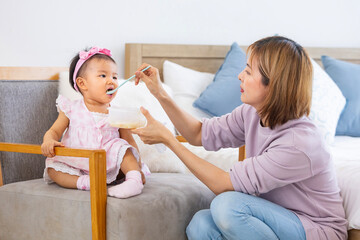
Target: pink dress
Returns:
[84, 132]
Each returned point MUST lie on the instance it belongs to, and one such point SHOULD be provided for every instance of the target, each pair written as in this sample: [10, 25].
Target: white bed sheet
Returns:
[346, 155]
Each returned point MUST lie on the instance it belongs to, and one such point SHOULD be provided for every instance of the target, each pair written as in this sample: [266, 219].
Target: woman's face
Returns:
[253, 92]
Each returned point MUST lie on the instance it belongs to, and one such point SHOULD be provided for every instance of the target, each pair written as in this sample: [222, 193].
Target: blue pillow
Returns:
[347, 76]
[223, 94]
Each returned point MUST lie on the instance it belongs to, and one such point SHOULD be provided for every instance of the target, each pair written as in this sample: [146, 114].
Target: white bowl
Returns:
[126, 117]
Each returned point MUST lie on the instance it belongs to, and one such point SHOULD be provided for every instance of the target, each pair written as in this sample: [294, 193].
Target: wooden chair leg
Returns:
[98, 195]
[242, 153]
[1, 176]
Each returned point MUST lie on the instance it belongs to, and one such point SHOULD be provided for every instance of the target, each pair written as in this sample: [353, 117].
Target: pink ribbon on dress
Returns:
[85, 56]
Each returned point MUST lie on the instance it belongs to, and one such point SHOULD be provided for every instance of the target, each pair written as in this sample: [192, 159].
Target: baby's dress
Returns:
[86, 133]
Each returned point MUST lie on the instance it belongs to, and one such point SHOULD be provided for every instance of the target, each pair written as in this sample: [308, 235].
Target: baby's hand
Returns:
[47, 148]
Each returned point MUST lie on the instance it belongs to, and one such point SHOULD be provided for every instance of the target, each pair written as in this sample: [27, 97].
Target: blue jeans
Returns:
[236, 215]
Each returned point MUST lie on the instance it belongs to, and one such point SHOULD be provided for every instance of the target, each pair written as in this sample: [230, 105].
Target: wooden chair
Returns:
[97, 158]
[97, 165]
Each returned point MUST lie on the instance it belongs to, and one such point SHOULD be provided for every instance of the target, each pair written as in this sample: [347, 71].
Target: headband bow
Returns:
[84, 56]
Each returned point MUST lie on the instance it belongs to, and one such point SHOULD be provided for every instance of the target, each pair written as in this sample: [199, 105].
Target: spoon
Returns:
[114, 90]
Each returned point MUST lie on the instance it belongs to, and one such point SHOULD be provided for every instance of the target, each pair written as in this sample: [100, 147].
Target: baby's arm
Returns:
[53, 135]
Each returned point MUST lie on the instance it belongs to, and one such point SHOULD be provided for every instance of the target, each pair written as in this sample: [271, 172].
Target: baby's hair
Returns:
[84, 66]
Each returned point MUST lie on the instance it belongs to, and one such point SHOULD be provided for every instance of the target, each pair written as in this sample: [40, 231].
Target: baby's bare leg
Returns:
[129, 162]
[63, 179]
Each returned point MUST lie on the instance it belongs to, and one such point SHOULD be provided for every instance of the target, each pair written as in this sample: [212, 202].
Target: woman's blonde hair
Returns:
[287, 71]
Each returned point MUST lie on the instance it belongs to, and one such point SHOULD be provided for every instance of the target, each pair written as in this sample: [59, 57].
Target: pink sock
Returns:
[131, 187]
[83, 182]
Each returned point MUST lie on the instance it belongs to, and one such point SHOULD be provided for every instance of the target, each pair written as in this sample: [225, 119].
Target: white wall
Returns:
[49, 32]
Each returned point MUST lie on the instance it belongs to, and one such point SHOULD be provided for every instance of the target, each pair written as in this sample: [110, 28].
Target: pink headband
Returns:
[85, 56]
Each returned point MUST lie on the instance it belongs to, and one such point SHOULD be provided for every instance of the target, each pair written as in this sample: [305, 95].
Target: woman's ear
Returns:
[81, 83]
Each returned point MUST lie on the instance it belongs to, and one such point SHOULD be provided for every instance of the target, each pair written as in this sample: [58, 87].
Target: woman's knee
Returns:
[200, 223]
[225, 208]
[223, 202]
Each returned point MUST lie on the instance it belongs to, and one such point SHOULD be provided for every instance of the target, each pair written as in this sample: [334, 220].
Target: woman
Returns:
[286, 188]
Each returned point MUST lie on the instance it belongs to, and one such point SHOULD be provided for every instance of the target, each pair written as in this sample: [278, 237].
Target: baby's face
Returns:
[101, 75]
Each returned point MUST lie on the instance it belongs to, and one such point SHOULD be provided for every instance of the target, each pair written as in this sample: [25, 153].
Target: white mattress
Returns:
[346, 155]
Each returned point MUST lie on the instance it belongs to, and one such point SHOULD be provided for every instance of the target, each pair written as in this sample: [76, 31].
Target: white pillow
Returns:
[168, 161]
[327, 103]
[224, 158]
[187, 85]
[65, 89]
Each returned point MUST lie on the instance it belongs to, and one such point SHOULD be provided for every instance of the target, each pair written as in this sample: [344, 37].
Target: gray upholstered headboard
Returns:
[27, 111]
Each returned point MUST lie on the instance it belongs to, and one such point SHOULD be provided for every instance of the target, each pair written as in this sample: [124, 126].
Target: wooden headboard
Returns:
[207, 58]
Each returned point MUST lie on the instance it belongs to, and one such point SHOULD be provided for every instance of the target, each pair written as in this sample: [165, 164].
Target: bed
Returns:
[208, 58]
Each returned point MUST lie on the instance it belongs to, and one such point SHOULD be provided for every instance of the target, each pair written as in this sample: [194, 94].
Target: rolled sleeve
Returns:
[223, 132]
